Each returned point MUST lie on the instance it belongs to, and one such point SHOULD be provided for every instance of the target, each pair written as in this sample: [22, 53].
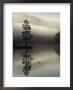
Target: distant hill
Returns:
[57, 43]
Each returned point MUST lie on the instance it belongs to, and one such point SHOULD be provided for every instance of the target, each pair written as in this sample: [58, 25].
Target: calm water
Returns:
[49, 65]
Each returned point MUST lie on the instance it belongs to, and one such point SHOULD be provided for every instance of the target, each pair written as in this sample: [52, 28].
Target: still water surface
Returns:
[46, 63]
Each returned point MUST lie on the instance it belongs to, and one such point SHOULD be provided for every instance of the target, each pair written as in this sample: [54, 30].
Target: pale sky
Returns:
[47, 23]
